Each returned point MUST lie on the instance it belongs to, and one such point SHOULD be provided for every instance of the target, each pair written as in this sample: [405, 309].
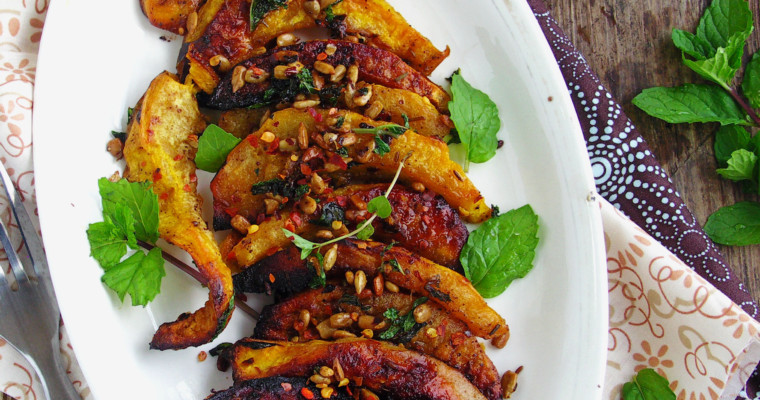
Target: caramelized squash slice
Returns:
[383, 368]
[255, 160]
[223, 29]
[450, 342]
[170, 15]
[160, 147]
[285, 274]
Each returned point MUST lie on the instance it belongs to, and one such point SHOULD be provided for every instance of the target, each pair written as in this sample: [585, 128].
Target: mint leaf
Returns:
[717, 69]
[260, 8]
[722, 20]
[501, 250]
[138, 198]
[108, 244]
[380, 206]
[751, 82]
[648, 385]
[741, 166]
[691, 103]
[139, 276]
[213, 146]
[366, 232]
[306, 246]
[476, 119]
[728, 139]
[736, 225]
[692, 45]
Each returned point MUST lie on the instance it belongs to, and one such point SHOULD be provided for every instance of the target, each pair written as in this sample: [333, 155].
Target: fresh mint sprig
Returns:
[130, 213]
[213, 147]
[715, 52]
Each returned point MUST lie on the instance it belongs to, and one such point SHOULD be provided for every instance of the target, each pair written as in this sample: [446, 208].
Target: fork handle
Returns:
[52, 374]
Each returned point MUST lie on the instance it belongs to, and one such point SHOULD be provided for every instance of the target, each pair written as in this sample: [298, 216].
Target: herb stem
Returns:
[752, 114]
[197, 276]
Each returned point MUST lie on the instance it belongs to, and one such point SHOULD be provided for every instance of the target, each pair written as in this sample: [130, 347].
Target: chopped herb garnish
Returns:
[319, 279]
[394, 263]
[280, 187]
[382, 132]
[329, 13]
[119, 135]
[340, 122]
[286, 90]
[402, 328]
[259, 8]
[331, 212]
[343, 152]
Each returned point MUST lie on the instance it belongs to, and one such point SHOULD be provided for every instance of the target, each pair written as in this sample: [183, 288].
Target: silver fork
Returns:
[29, 316]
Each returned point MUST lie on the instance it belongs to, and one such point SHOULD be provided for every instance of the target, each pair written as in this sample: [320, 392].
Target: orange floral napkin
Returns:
[662, 314]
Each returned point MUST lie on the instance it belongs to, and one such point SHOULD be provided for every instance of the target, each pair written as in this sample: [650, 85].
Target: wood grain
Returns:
[627, 43]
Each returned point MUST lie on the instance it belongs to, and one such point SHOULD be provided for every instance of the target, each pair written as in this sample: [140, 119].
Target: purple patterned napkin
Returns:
[628, 175]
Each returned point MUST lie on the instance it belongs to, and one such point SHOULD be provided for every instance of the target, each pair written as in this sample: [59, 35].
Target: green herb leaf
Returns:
[722, 20]
[718, 68]
[366, 233]
[736, 225]
[108, 244]
[138, 198]
[306, 246]
[381, 147]
[476, 118]
[380, 206]
[305, 81]
[728, 139]
[648, 385]
[281, 187]
[331, 212]
[500, 251]
[139, 276]
[259, 8]
[691, 103]
[751, 82]
[394, 263]
[213, 146]
[741, 166]
[692, 45]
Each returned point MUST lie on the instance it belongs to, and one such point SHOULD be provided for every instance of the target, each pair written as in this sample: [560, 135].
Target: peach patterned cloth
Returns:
[662, 314]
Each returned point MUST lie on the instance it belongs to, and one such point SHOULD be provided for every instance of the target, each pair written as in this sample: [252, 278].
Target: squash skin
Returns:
[384, 368]
[375, 19]
[452, 343]
[160, 147]
[429, 164]
[375, 66]
[273, 388]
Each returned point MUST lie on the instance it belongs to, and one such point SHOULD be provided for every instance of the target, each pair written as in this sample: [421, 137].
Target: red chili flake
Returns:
[337, 160]
[290, 226]
[305, 169]
[276, 124]
[301, 181]
[253, 140]
[273, 147]
[458, 338]
[257, 70]
[296, 219]
[187, 188]
[231, 211]
[164, 196]
[310, 335]
[441, 330]
[322, 56]
[178, 157]
[314, 114]
[193, 177]
[202, 356]
[426, 219]
[271, 278]
[348, 389]
[341, 200]
[305, 392]
[328, 190]
[286, 386]
[272, 250]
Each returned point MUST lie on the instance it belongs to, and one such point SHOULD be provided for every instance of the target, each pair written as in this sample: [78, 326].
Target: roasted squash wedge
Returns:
[223, 29]
[383, 368]
[285, 274]
[160, 147]
[374, 65]
[170, 15]
[449, 340]
[428, 164]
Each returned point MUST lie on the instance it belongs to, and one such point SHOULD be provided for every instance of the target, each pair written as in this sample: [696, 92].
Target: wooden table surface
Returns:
[627, 43]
